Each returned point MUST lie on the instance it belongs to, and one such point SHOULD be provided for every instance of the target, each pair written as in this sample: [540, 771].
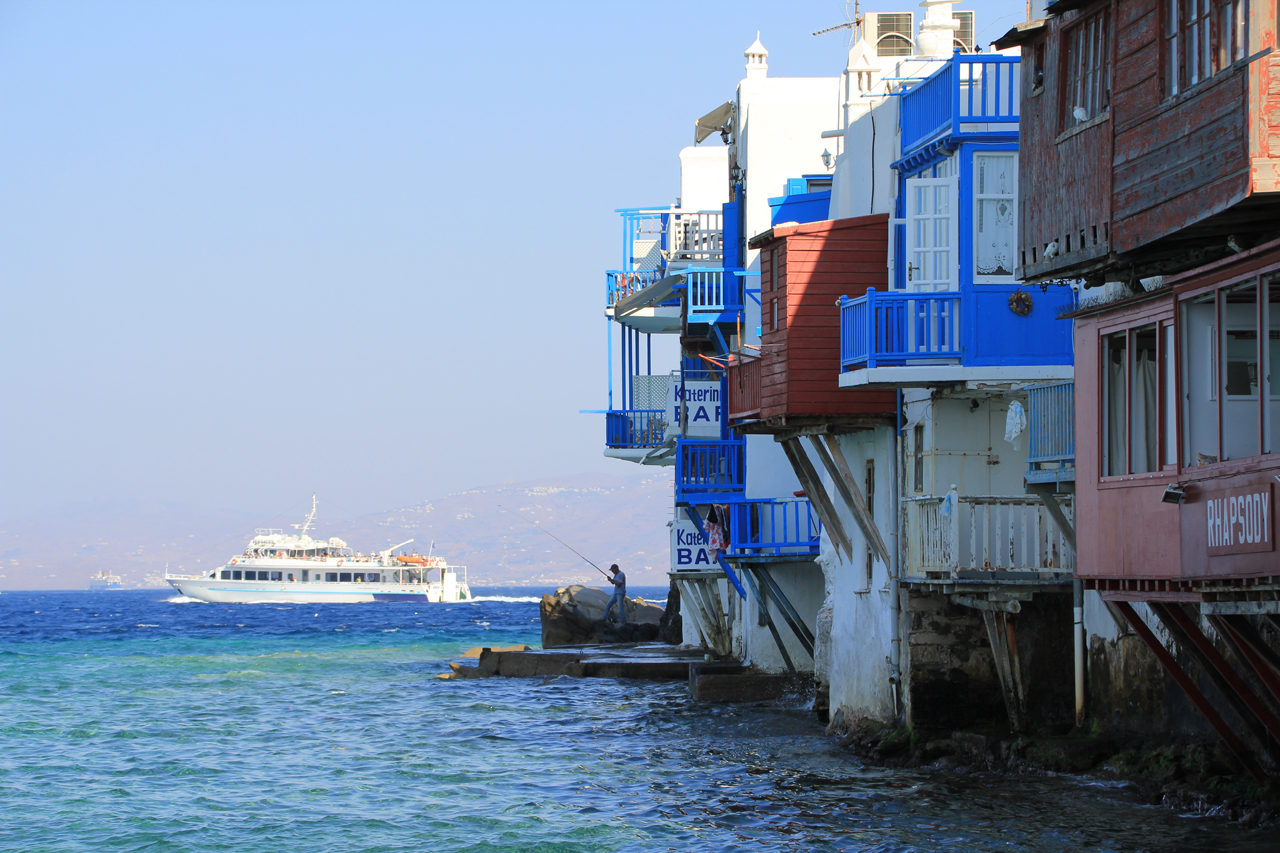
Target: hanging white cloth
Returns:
[1014, 423]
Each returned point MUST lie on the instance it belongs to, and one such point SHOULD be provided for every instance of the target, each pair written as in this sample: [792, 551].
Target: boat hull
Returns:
[255, 592]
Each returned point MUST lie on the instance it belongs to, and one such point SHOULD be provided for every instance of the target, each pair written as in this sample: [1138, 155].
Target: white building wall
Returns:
[802, 584]
[769, 473]
[863, 182]
[704, 177]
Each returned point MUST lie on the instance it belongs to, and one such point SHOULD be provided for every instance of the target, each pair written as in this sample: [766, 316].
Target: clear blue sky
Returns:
[253, 250]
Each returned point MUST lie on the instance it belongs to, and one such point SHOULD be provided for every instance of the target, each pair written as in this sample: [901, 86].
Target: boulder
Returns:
[574, 614]
[671, 627]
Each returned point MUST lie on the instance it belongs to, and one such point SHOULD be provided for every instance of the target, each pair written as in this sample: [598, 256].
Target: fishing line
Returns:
[555, 537]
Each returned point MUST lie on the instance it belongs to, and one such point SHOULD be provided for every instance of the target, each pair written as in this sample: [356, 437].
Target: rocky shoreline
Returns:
[1187, 776]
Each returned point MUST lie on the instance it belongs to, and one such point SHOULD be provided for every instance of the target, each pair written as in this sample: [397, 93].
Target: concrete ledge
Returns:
[648, 661]
[722, 682]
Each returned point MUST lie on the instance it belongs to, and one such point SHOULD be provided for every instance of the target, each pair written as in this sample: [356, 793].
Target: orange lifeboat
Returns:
[411, 559]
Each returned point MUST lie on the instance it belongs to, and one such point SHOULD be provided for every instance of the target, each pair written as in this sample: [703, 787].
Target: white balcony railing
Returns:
[695, 237]
[991, 533]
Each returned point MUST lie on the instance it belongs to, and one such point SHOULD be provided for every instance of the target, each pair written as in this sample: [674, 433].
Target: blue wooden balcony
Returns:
[1051, 413]
[777, 527]
[710, 471]
[635, 427]
[969, 94]
[714, 294]
[897, 328]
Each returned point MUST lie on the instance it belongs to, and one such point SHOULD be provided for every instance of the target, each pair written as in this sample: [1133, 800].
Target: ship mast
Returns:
[306, 525]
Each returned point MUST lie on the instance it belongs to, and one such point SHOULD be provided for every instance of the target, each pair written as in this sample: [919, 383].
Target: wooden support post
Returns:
[1261, 669]
[1045, 491]
[724, 566]
[1004, 646]
[802, 632]
[812, 484]
[838, 467]
[1193, 693]
[768, 620]
[1233, 688]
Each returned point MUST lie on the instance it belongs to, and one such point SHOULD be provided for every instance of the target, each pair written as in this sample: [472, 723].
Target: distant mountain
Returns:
[608, 518]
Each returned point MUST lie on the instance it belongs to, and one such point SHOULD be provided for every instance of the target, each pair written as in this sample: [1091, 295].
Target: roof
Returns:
[1022, 33]
[779, 232]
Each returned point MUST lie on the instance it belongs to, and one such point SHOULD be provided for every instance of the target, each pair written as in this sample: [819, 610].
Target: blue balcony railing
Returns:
[712, 291]
[898, 328]
[967, 90]
[620, 284]
[635, 427]
[710, 471]
[1051, 454]
[774, 528]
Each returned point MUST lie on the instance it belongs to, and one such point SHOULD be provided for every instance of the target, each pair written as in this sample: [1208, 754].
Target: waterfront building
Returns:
[1151, 151]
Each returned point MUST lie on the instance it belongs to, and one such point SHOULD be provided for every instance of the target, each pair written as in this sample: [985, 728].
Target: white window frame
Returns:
[933, 285]
[977, 201]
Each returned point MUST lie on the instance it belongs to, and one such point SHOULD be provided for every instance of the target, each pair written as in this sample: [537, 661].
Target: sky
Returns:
[251, 251]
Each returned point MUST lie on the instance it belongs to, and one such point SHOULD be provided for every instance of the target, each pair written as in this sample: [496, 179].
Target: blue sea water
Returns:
[143, 721]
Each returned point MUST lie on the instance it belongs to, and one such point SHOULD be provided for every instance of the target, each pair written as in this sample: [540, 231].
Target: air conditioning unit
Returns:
[964, 35]
[891, 33]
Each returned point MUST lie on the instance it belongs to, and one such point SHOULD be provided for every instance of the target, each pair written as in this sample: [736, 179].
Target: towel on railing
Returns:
[1014, 423]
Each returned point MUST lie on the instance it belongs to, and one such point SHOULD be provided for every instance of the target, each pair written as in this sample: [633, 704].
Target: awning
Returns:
[1021, 34]
[660, 291]
[721, 118]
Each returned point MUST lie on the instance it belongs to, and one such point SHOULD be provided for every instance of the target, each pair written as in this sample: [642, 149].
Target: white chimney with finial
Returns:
[937, 30]
[757, 60]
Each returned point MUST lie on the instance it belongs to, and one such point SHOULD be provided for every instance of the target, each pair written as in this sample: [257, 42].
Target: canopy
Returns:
[721, 118]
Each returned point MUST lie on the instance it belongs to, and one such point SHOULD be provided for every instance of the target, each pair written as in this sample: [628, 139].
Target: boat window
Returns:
[331, 577]
[236, 574]
[226, 575]
[275, 576]
[344, 577]
[249, 576]
[373, 577]
[358, 576]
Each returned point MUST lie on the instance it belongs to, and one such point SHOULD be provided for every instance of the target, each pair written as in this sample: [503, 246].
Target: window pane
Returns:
[1199, 381]
[995, 203]
[1170, 397]
[1240, 377]
[1144, 416]
[1113, 404]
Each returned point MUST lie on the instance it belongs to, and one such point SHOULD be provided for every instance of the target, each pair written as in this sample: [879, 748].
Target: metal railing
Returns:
[619, 284]
[712, 291]
[1051, 412]
[896, 328]
[707, 468]
[967, 90]
[635, 427]
[984, 533]
[744, 388]
[773, 528]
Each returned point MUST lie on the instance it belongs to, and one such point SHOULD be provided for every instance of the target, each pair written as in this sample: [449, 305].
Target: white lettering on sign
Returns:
[1240, 521]
[688, 547]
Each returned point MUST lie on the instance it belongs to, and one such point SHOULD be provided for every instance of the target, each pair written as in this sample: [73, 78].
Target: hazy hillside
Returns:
[608, 518]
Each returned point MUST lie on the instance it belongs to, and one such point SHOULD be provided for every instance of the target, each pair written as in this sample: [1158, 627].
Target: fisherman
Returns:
[619, 581]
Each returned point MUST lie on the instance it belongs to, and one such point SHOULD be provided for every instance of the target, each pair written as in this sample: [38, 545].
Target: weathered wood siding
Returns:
[1064, 185]
[817, 263]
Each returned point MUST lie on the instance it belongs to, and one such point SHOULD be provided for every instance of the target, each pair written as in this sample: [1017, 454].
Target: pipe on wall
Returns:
[1077, 602]
[895, 568]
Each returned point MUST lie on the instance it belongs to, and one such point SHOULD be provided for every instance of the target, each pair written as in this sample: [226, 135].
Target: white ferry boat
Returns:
[103, 580]
[296, 568]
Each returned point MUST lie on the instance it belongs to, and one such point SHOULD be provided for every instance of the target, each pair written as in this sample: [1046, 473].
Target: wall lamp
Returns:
[1173, 495]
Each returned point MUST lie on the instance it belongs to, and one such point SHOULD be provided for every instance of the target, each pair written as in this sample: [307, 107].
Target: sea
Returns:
[146, 721]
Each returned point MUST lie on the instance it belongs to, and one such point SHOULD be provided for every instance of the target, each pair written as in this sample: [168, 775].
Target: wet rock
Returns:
[574, 616]
[475, 653]
[461, 671]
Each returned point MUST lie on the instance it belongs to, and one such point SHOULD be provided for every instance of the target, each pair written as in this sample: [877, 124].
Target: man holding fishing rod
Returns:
[619, 581]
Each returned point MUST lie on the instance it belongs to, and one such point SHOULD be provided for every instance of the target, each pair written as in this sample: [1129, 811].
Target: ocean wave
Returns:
[514, 599]
[183, 599]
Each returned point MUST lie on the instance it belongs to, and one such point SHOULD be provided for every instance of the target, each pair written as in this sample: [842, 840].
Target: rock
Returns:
[475, 653]
[671, 626]
[574, 614]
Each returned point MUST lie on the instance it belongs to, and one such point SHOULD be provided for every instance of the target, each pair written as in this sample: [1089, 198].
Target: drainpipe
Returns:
[1077, 600]
[895, 569]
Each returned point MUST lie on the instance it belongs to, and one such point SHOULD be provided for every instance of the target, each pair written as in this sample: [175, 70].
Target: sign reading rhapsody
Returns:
[1241, 521]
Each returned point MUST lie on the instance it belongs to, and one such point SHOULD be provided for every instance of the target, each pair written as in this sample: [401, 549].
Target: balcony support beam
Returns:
[1050, 498]
[813, 488]
[838, 467]
[763, 604]
[801, 630]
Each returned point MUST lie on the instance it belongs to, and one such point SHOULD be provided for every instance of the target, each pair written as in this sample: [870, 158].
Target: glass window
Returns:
[236, 575]
[358, 576]
[1240, 424]
[1114, 411]
[373, 577]
[226, 575]
[1087, 71]
[995, 207]
[275, 576]
[1168, 366]
[1144, 412]
[1199, 381]
[331, 577]
[344, 577]
[1271, 358]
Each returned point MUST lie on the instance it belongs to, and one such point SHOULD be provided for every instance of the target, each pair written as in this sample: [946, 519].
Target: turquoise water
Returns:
[140, 721]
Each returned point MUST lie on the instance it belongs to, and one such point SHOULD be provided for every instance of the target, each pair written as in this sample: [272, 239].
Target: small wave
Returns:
[183, 599]
[515, 599]
[389, 630]
[145, 625]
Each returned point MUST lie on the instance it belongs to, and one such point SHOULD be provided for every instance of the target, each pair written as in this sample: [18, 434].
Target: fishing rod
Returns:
[555, 537]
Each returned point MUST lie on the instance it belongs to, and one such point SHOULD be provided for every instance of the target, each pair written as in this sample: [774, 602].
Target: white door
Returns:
[933, 262]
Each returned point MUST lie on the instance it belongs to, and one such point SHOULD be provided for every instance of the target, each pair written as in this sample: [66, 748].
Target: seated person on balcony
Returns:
[619, 581]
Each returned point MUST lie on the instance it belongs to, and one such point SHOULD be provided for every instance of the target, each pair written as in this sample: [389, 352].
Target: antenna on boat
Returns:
[306, 525]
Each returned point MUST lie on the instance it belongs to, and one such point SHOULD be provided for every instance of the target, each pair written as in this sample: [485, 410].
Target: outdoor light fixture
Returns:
[1174, 495]
[735, 174]
[826, 158]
